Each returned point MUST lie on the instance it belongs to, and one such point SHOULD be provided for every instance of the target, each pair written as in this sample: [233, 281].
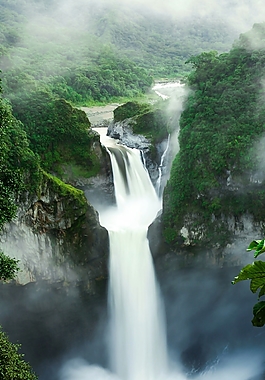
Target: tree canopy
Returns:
[12, 364]
[222, 123]
[57, 132]
[8, 267]
[101, 51]
[17, 162]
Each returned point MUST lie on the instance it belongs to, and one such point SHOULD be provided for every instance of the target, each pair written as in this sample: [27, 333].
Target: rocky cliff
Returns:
[151, 150]
[216, 190]
[57, 236]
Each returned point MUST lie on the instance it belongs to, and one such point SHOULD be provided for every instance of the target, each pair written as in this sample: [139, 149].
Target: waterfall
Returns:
[138, 339]
[160, 168]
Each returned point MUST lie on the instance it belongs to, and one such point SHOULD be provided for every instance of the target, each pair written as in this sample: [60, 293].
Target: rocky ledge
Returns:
[57, 237]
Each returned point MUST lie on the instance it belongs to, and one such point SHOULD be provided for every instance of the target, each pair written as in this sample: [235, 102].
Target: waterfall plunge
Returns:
[138, 340]
[138, 345]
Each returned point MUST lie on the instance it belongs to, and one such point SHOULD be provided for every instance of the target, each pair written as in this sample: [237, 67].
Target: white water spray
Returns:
[138, 340]
[160, 168]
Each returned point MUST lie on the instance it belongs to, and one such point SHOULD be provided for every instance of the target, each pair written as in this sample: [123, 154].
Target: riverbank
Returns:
[100, 114]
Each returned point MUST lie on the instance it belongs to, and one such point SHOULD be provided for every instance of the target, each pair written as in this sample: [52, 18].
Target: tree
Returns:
[12, 364]
[17, 163]
[222, 120]
[255, 272]
[8, 267]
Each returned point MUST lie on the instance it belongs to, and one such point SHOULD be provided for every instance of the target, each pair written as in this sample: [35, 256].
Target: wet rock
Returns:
[57, 237]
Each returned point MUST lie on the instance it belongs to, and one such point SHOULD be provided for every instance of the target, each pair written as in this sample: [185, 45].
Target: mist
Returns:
[241, 14]
[60, 21]
[63, 332]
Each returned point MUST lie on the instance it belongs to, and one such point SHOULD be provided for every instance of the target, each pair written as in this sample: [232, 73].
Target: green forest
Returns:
[50, 65]
[220, 130]
[105, 53]
[17, 164]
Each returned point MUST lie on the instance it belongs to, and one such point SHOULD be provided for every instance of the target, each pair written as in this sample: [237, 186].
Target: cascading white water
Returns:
[138, 340]
[138, 344]
[160, 168]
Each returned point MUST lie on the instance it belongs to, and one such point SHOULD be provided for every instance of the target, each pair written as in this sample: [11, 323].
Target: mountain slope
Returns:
[219, 172]
[95, 51]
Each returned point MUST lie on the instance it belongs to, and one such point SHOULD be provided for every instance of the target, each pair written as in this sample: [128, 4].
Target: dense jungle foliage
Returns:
[57, 132]
[98, 52]
[20, 172]
[130, 109]
[17, 163]
[218, 169]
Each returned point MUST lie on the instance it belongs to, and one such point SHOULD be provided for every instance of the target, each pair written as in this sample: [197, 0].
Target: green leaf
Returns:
[259, 314]
[262, 291]
[253, 245]
[258, 246]
[254, 272]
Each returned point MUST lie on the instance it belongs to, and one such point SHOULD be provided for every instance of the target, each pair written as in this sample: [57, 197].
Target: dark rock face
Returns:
[53, 322]
[99, 190]
[57, 237]
[123, 131]
[186, 254]
[151, 155]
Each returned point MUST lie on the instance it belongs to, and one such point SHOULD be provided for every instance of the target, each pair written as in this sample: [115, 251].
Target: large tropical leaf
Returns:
[259, 314]
[254, 272]
[258, 246]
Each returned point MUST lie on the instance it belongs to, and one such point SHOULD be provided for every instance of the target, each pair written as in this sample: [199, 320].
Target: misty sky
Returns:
[242, 14]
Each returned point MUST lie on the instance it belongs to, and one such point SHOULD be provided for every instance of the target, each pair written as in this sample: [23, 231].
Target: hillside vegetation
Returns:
[218, 171]
[17, 163]
[57, 132]
[98, 52]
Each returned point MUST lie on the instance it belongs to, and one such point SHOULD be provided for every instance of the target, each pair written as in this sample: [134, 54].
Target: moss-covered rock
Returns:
[145, 120]
[130, 109]
[57, 236]
[153, 124]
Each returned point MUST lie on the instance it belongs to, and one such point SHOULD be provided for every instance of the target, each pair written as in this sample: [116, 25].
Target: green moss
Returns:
[130, 109]
[66, 191]
[148, 120]
[152, 124]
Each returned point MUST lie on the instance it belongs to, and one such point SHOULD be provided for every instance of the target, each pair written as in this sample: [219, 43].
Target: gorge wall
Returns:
[55, 245]
[215, 195]
[56, 235]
